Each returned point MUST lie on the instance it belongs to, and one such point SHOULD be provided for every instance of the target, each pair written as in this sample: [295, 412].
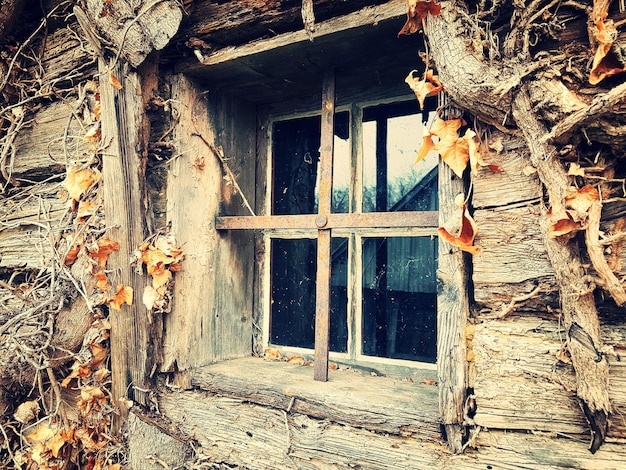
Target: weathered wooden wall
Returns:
[212, 304]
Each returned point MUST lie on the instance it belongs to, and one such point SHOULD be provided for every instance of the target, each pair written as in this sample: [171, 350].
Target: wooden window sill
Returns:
[354, 398]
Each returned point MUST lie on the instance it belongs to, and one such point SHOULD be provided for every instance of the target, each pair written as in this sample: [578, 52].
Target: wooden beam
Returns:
[369, 15]
[452, 314]
[123, 177]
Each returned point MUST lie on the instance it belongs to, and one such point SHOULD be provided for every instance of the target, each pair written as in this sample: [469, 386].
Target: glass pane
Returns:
[296, 158]
[392, 181]
[400, 298]
[294, 262]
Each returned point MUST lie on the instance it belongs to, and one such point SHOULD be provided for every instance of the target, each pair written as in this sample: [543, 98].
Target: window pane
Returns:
[293, 293]
[400, 297]
[392, 181]
[296, 159]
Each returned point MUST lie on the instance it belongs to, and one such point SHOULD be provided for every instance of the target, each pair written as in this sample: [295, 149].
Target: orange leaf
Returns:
[124, 295]
[114, 81]
[427, 146]
[160, 276]
[102, 282]
[417, 11]
[106, 246]
[564, 228]
[581, 199]
[71, 256]
[466, 236]
[455, 153]
[449, 128]
[296, 360]
[428, 85]
[605, 62]
[476, 160]
[77, 182]
[272, 354]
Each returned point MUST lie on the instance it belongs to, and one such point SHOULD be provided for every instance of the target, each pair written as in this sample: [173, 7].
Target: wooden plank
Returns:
[234, 29]
[351, 397]
[452, 313]
[216, 321]
[520, 384]
[426, 219]
[132, 354]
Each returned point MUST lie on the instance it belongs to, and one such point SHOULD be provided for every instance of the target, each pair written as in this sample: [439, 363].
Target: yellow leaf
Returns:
[160, 276]
[427, 146]
[454, 152]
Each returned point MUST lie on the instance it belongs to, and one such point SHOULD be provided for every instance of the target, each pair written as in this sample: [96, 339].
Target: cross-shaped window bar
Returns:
[325, 222]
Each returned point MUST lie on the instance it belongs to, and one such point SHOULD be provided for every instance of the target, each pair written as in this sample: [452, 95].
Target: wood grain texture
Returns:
[30, 222]
[381, 404]
[123, 167]
[214, 323]
[521, 385]
[452, 314]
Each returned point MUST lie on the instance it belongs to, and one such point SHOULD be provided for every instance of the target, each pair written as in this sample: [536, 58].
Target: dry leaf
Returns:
[102, 282]
[150, 297]
[476, 160]
[124, 295]
[575, 170]
[429, 381]
[296, 360]
[78, 181]
[428, 85]
[466, 236]
[605, 61]
[114, 81]
[71, 256]
[272, 354]
[427, 146]
[581, 199]
[104, 248]
[417, 12]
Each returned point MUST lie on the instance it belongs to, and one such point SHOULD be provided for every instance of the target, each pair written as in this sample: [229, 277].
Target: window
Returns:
[350, 242]
[383, 278]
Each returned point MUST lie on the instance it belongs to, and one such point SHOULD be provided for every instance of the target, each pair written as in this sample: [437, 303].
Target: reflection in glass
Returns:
[392, 135]
[293, 293]
[400, 298]
[296, 158]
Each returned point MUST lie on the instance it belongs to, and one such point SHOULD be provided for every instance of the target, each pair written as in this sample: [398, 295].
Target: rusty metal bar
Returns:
[322, 284]
[425, 219]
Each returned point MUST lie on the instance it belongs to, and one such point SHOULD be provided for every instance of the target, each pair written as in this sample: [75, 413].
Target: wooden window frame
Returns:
[325, 222]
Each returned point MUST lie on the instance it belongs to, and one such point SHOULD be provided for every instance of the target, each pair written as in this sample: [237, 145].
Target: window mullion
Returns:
[322, 292]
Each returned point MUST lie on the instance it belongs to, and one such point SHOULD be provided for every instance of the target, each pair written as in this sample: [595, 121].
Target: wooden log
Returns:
[520, 384]
[505, 450]
[132, 352]
[30, 222]
[380, 404]
[216, 320]
[221, 24]
[135, 28]
[53, 139]
[236, 433]
[452, 314]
